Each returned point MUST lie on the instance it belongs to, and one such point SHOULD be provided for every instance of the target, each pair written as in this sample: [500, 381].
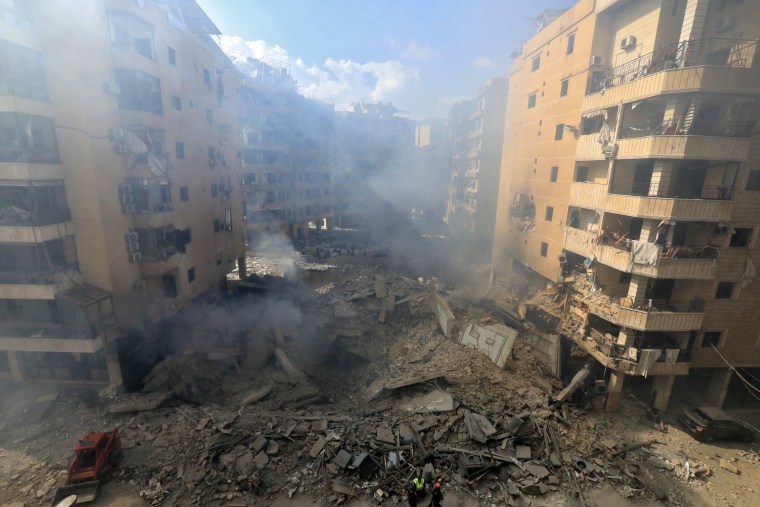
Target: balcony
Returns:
[31, 234]
[666, 69]
[710, 206]
[648, 314]
[37, 285]
[47, 338]
[682, 262]
[662, 146]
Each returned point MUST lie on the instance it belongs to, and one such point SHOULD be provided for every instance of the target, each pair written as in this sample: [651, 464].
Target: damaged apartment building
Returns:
[630, 182]
[120, 182]
[476, 134]
[288, 156]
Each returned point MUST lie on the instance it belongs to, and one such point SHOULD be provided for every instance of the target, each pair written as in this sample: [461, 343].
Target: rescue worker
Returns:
[437, 496]
[419, 485]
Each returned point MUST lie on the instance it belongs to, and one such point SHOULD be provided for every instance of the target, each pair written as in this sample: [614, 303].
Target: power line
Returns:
[743, 380]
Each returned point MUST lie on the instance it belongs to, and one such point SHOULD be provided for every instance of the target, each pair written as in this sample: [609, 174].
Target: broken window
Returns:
[725, 290]
[563, 87]
[753, 181]
[36, 263]
[21, 72]
[570, 44]
[522, 207]
[26, 138]
[138, 91]
[742, 236]
[129, 33]
[35, 203]
[147, 195]
[157, 243]
[711, 338]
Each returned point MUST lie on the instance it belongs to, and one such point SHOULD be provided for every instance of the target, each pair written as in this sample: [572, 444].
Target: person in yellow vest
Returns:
[419, 485]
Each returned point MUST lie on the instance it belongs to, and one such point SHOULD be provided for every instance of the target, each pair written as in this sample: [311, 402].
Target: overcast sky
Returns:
[422, 55]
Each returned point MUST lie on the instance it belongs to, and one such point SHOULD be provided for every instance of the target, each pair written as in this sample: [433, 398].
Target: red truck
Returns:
[94, 458]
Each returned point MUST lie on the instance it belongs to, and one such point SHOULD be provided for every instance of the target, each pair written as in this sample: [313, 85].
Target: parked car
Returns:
[709, 423]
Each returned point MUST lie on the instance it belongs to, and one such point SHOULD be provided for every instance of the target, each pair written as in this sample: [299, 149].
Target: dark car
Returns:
[708, 423]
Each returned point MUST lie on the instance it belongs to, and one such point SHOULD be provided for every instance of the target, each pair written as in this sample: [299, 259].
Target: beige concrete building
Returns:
[120, 177]
[476, 135]
[631, 149]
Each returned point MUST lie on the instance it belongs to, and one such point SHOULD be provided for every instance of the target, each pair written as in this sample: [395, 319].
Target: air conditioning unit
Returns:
[133, 247]
[135, 257]
[127, 198]
[131, 237]
[628, 43]
[125, 188]
[111, 87]
[128, 208]
[121, 148]
[609, 150]
[595, 61]
[116, 134]
[140, 285]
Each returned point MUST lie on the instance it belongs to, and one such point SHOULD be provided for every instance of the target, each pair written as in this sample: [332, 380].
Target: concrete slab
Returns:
[495, 341]
[435, 401]
[446, 318]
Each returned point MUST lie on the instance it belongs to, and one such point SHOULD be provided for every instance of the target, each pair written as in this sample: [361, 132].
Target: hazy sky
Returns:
[422, 55]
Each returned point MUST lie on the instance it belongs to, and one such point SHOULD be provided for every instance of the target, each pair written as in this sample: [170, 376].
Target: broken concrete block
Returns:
[256, 395]
[261, 459]
[319, 426]
[405, 432]
[317, 447]
[244, 463]
[435, 401]
[537, 471]
[523, 452]
[574, 384]
[727, 465]
[385, 435]
[445, 316]
[291, 369]
[343, 458]
[495, 341]
[343, 488]
[202, 423]
[260, 443]
[272, 448]
[479, 428]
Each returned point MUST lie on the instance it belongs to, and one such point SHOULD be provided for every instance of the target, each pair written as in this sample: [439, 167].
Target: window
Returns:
[170, 286]
[207, 77]
[563, 87]
[26, 138]
[553, 173]
[211, 156]
[184, 194]
[549, 213]
[190, 275]
[544, 249]
[129, 33]
[21, 72]
[570, 43]
[209, 116]
[532, 100]
[535, 64]
[183, 237]
[179, 148]
[725, 290]
[711, 338]
[558, 131]
[217, 225]
[753, 182]
[742, 236]
[215, 189]
[138, 91]
[172, 53]
[625, 277]
[581, 174]
[176, 103]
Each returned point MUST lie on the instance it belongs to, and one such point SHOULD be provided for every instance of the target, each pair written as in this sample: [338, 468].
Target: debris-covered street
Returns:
[338, 386]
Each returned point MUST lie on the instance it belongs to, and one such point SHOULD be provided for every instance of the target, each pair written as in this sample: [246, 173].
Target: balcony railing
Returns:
[708, 192]
[674, 128]
[692, 53]
[695, 305]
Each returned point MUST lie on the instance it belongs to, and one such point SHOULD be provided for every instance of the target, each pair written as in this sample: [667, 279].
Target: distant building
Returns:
[476, 135]
[120, 178]
[631, 151]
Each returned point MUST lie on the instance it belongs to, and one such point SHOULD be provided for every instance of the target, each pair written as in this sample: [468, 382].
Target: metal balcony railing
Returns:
[695, 305]
[692, 53]
[675, 128]
[707, 192]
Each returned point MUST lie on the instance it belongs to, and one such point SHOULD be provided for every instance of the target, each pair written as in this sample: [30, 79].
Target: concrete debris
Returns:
[495, 341]
[479, 428]
[291, 369]
[726, 465]
[138, 402]
[445, 316]
[435, 401]
[256, 395]
[574, 384]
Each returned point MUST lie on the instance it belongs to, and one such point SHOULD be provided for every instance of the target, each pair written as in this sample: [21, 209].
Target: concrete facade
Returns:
[631, 128]
[476, 134]
[120, 177]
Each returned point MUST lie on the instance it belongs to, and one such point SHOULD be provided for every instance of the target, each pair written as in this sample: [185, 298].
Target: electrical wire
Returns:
[91, 136]
[743, 380]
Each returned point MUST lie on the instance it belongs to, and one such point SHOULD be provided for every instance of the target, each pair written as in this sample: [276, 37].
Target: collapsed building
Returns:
[629, 179]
